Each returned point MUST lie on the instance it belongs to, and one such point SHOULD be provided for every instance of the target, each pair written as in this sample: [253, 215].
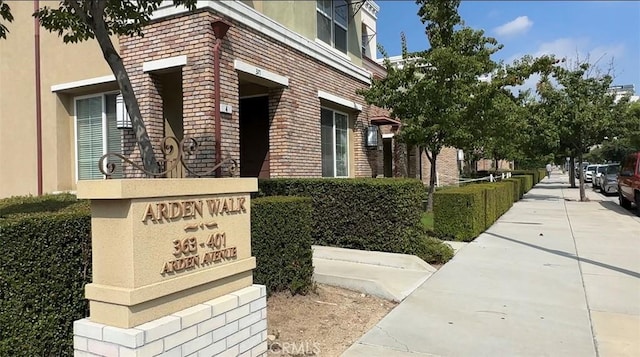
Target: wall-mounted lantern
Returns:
[371, 136]
[123, 121]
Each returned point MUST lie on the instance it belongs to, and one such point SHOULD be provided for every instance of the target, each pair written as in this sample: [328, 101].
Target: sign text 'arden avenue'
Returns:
[186, 249]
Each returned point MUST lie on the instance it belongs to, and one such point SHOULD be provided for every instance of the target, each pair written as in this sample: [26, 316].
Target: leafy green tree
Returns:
[432, 89]
[581, 107]
[626, 139]
[82, 20]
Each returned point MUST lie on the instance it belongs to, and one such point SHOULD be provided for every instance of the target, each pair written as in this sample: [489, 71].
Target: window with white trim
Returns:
[96, 134]
[334, 139]
[333, 22]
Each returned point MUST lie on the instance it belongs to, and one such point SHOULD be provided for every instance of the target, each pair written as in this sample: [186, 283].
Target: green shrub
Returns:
[459, 213]
[45, 244]
[464, 213]
[522, 184]
[504, 197]
[517, 190]
[535, 175]
[490, 203]
[542, 173]
[528, 182]
[20, 206]
[367, 214]
[281, 243]
[434, 251]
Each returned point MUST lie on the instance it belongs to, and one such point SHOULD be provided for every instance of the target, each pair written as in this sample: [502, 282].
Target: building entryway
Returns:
[172, 97]
[254, 136]
[387, 156]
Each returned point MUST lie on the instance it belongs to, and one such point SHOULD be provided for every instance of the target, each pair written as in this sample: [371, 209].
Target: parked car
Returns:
[588, 173]
[609, 181]
[599, 173]
[580, 168]
[629, 181]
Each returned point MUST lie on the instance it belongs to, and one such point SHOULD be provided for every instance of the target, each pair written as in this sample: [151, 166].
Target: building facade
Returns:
[289, 76]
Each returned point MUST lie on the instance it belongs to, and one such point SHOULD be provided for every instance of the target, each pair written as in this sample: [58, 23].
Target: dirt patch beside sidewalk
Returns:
[322, 323]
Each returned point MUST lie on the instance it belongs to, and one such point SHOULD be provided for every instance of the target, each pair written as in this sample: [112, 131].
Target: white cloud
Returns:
[520, 24]
[573, 49]
[580, 49]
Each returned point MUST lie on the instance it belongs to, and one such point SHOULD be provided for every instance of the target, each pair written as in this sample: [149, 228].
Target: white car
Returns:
[588, 173]
[598, 176]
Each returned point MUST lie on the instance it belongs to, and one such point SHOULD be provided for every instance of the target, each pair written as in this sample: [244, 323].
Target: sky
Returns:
[602, 30]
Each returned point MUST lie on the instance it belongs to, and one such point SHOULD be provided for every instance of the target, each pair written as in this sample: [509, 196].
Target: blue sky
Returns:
[607, 29]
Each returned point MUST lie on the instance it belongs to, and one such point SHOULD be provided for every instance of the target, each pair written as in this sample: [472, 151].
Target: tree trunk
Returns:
[583, 196]
[572, 172]
[117, 67]
[497, 164]
[433, 156]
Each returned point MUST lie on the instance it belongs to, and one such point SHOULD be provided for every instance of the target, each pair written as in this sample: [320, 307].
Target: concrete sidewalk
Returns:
[552, 277]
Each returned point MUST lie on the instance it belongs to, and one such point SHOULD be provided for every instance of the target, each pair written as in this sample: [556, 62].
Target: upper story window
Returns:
[333, 22]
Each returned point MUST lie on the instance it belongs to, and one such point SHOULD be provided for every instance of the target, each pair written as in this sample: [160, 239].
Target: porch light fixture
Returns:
[123, 121]
[371, 136]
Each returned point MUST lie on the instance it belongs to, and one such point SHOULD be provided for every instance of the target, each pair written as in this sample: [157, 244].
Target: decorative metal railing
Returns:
[181, 150]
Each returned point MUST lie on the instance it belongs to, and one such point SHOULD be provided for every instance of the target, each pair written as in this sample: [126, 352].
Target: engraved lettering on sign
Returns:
[187, 257]
[175, 210]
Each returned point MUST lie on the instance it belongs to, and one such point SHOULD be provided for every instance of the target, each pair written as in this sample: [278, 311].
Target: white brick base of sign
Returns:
[231, 325]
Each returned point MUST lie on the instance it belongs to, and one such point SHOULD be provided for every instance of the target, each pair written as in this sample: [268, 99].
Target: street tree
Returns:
[432, 89]
[82, 20]
[579, 102]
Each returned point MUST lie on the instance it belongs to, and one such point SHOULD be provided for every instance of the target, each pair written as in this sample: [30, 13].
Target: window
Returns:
[333, 21]
[96, 134]
[335, 143]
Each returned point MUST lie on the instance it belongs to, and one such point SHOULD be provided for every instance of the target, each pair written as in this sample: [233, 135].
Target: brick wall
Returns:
[446, 166]
[294, 111]
[231, 325]
[488, 164]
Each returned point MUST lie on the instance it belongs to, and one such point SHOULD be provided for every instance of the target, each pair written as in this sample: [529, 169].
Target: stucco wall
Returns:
[60, 63]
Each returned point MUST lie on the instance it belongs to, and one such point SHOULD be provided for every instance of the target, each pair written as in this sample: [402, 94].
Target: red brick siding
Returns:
[446, 167]
[294, 111]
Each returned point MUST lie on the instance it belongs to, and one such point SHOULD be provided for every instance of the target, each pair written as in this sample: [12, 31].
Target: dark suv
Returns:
[629, 181]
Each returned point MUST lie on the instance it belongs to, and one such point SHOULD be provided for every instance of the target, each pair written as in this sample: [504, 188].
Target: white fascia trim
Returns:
[242, 13]
[260, 72]
[372, 8]
[339, 100]
[82, 83]
[164, 63]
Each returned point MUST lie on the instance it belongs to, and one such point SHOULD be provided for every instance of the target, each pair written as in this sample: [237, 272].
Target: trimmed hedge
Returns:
[465, 212]
[46, 263]
[517, 192]
[527, 181]
[281, 243]
[490, 203]
[364, 213]
[522, 184]
[459, 213]
[504, 197]
[535, 175]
